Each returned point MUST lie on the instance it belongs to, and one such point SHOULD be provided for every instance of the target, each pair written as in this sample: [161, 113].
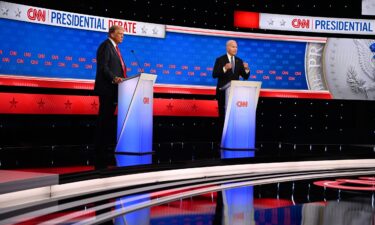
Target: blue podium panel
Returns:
[135, 111]
[239, 126]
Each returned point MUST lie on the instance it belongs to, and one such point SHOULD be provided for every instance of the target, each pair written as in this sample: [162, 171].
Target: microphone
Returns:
[136, 58]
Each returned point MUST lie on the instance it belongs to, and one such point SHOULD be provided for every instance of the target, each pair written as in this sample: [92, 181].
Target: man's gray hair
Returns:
[113, 28]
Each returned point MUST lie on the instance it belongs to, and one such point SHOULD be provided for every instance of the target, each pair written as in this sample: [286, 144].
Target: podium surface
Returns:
[135, 114]
[241, 99]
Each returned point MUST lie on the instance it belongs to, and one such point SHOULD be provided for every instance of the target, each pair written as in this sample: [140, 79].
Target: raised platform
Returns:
[11, 181]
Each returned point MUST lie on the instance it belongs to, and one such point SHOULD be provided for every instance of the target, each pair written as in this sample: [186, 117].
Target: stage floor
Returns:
[294, 192]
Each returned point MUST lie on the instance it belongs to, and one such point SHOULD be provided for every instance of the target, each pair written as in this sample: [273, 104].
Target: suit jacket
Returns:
[107, 68]
[224, 78]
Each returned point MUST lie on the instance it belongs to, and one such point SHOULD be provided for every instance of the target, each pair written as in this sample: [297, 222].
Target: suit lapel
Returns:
[114, 52]
[226, 60]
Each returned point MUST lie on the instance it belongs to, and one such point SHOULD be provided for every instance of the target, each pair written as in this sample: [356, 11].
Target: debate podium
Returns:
[135, 120]
[241, 99]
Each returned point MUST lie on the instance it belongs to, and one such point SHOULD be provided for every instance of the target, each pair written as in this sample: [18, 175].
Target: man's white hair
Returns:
[228, 42]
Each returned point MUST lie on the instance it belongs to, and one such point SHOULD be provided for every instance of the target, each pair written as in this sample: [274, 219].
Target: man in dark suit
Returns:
[110, 71]
[228, 67]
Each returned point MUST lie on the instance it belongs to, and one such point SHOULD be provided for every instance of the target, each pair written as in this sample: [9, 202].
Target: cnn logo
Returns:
[36, 14]
[242, 104]
[301, 23]
[146, 100]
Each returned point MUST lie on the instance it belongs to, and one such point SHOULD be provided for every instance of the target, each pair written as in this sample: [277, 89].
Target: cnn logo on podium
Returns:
[243, 104]
[146, 100]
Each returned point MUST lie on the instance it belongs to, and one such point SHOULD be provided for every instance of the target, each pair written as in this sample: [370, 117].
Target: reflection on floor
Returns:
[290, 203]
[242, 191]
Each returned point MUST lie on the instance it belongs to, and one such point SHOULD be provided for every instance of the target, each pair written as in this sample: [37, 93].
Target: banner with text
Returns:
[316, 24]
[77, 21]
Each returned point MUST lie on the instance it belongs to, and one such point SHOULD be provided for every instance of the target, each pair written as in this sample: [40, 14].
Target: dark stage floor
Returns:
[218, 191]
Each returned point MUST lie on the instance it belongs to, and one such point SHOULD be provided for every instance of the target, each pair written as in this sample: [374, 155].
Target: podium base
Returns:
[133, 158]
[135, 153]
[227, 153]
[238, 149]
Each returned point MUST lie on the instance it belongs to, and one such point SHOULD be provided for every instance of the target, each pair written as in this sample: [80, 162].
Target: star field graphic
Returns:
[38, 50]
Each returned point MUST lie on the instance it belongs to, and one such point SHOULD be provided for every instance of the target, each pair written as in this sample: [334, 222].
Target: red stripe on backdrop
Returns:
[16, 103]
[38, 82]
[246, 19]
[21, 81]
[296, 94]
[9, 80]
[184, 90]
[184, 107]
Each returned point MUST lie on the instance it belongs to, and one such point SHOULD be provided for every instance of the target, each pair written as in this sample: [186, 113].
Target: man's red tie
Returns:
[122, 61]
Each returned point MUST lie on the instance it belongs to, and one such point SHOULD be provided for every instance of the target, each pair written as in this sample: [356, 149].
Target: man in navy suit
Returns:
[228, 67]
[110, 71]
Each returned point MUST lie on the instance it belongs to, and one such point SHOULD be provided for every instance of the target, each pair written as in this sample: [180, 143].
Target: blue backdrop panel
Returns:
[46, 51]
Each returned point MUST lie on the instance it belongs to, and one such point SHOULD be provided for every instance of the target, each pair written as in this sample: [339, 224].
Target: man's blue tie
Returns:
[232, 62]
